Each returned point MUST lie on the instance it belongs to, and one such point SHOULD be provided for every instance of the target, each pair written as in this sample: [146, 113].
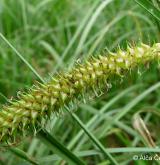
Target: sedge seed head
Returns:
[64, 88]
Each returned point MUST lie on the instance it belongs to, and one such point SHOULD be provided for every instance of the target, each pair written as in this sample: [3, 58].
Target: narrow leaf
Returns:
[94, 139]
[148, 6]
[21, 154]
[58, 148]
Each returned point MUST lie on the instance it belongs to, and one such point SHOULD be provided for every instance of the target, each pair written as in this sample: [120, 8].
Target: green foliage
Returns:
[41, 37]
[149, 6]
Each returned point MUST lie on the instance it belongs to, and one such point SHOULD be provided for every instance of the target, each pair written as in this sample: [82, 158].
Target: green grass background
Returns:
[52, 35]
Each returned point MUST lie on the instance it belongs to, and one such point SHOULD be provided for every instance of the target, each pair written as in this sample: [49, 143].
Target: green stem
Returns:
[23, 155]
[150, 8]
[58, 148]
[94, 139]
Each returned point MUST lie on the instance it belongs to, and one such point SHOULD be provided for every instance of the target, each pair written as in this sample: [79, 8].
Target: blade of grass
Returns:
[87, 29]
[21, 57]
[77, 33]
[33, 145]
[140, 126]
[102, 33]
[58, 148]
[148, 6]
[93, 138]
[23, 155]
[52, 51]
[109, 150]
[130, 105]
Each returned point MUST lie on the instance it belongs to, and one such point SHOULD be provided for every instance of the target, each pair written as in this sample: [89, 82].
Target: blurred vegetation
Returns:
[53, 34]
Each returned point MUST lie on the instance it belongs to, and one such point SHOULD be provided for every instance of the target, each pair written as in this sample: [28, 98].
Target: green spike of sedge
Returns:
[44, 99]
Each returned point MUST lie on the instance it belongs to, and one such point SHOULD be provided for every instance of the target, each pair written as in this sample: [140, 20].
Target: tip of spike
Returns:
[145, 46]
[157, 45]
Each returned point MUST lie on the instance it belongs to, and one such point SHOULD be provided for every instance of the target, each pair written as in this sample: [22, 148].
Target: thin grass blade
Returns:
[23, 155]
[150, 8]
[59, 149]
